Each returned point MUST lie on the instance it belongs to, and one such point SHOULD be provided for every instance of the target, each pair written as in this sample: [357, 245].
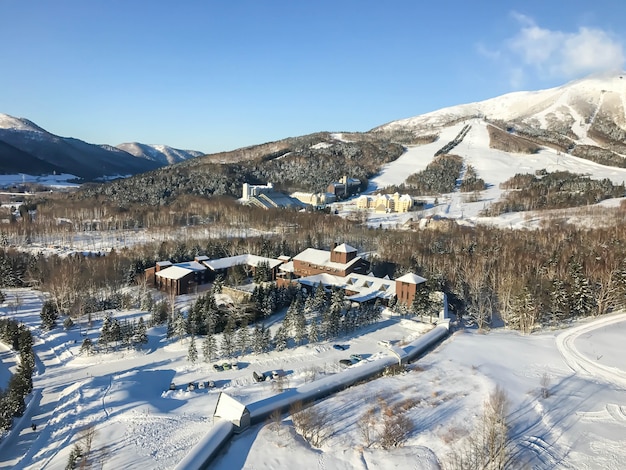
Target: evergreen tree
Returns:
[422, 304]
[228, 339]
[87, 347]
[320, 301]
[180, 325]
[582, 299]
[257, 339]
[192, 352]
[299, 327]
[314, 332]
[141, 332]
[116, 330]
[243, 339]
[209, 348]
[280, 338]
[68, 323]
[267, 339]
[159, 313]
[105, 332]
[331, 321]
[218, 284]
[49, 315]
[559, 301]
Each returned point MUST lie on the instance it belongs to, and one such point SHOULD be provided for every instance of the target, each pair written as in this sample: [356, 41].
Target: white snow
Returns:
[141, 424]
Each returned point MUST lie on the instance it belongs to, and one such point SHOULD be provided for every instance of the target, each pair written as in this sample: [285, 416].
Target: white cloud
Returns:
[549, 54]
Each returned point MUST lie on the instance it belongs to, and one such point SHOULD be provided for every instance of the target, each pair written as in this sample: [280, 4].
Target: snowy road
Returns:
[579, 362]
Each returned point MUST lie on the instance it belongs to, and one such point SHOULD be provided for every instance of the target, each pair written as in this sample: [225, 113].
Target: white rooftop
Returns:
[411, 278]
[365, 286]
[250, 260]
[322, 258]
[174, 272]
[345, 248]
[193, 265]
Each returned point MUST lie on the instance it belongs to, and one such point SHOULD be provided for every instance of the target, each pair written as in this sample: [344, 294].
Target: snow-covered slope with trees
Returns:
[162, 154]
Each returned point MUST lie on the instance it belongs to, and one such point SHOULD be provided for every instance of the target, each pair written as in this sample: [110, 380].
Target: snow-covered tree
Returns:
[313, 332]
[243, 339]
[141, 332]
[280, 338]
[87, 347]
[49, 315]
[299, 327]
[192, 351]
[209, 348]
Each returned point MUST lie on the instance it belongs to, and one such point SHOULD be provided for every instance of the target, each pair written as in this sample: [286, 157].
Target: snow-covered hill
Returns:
[162, 154]
[573, 106]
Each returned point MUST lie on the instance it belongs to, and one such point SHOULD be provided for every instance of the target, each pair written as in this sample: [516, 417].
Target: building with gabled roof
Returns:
[406, 287]
[222, 265]
[357, 287]
[340, 261]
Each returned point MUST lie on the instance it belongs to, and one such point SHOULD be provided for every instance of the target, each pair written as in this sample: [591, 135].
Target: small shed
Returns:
[232, 410]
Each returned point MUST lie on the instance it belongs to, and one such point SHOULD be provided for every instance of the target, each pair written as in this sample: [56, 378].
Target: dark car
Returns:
[258, 377]
[356, 357]
[339, 347]
[217, 367]
[345, 362]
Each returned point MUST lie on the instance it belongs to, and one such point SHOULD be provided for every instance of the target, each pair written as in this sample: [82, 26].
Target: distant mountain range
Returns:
[585, 119]
[27, 148]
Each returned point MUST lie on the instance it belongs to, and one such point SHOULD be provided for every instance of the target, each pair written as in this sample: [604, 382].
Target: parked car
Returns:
[345, 362]
[356, 357]
[172, 386]
[385, 343]
[277, 373]
[226, 366]
[339, 347]
[235, 365]
[258, 377]
[217, 367]
[210, 384]
[191, 387]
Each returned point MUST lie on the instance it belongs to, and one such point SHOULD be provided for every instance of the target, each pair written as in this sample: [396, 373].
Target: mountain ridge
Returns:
[27, 148]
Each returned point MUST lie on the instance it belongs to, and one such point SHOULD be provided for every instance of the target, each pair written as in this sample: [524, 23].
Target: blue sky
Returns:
[219, 75]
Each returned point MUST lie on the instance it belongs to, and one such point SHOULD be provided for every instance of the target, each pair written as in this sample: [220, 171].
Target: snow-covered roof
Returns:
[286, 267]
[345, 248]
[173, 272]
[192, 265]
[250, 260]
[284, 258]
[322, 258]
[202, 258]
[229, 408]
[164, 263]
[366, 287]
[411, 278]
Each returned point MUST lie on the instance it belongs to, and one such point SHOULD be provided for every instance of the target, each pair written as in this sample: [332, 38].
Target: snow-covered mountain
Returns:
[27, 148]
[588, 112]
[161, 154]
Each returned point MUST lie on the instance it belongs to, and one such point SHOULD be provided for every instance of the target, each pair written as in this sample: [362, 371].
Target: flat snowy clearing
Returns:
[141, 424]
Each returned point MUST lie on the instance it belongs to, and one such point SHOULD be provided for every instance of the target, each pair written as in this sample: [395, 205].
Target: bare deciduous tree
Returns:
[312, 423]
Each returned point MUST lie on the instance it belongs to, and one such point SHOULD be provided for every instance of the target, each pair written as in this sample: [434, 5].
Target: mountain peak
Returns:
[20, 124]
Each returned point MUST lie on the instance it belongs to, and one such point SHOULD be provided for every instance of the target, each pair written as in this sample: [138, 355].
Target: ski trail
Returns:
[580, 363]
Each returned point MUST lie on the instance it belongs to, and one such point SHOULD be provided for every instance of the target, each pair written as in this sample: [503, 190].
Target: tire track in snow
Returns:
[580, 363]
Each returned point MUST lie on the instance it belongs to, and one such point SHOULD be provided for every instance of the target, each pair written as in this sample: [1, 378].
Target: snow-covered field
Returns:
[139, 423]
